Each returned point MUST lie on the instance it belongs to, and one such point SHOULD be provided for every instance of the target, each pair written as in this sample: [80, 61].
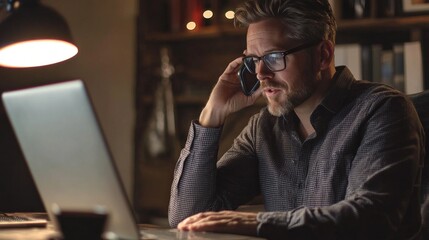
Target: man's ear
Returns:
[326, 54]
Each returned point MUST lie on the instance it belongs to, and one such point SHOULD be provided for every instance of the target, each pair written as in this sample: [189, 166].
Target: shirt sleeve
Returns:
[200, 183]
[383, 184]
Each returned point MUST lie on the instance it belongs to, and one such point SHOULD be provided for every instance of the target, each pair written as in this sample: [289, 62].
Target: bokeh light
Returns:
[207, 14]
[230, 14]
[191, 26]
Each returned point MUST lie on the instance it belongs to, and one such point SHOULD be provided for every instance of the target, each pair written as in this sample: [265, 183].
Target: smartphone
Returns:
[249, 82]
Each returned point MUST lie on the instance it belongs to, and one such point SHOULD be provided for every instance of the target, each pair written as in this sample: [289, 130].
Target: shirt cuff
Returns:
[272, 225]
[203, 136]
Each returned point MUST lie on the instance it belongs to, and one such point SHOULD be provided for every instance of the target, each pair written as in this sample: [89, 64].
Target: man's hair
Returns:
[308, 20]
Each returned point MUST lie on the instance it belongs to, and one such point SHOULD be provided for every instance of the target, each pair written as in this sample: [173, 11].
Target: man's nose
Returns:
[262, 71]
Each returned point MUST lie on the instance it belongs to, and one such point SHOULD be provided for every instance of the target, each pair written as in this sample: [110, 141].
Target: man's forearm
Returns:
[194, 184]
[212, 118]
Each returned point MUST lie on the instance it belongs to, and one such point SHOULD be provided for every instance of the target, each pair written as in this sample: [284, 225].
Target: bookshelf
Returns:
[199, 57]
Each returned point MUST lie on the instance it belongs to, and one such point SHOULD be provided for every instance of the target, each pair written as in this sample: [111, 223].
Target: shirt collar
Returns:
[335, 99]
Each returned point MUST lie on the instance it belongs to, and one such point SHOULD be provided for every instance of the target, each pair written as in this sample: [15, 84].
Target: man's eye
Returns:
[272, 58]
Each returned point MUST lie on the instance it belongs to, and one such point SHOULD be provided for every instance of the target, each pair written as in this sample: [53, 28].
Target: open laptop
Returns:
[69, 160]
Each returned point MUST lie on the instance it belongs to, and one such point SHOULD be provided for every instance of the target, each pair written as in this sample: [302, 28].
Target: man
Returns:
[333, 158]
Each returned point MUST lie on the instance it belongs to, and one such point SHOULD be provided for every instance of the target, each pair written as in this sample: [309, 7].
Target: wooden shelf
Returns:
[381, 24]
[206, 32]
[365, 24]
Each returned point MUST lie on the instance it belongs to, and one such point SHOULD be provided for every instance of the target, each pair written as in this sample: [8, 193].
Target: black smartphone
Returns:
[249, 82]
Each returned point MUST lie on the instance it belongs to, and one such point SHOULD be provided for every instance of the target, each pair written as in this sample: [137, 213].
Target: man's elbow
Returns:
[174, 216]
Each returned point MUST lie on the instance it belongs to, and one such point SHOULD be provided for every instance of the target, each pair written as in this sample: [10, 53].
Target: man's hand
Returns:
[226, 97]
[242, 223]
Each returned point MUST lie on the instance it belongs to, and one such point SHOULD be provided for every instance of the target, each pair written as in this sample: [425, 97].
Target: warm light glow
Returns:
[36, 53]
[16, 4]
[230, 14]
[207, 14]
[191, 26]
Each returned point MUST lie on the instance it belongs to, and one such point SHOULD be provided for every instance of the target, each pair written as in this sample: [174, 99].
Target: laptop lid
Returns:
[67, 154]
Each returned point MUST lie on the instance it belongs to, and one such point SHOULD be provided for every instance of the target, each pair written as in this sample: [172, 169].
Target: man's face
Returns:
[287, 88]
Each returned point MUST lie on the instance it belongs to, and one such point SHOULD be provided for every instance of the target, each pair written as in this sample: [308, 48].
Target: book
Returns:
[367, 62]
[195, 12]
[387, 67]
[376, 50]
[413, 67]
[350, 55]
[184, 11]
[387, 8]
[336, 8]
[176, 15]
[398, 73]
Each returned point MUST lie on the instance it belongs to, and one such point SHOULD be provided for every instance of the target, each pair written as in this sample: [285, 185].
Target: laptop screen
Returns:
[67, 154]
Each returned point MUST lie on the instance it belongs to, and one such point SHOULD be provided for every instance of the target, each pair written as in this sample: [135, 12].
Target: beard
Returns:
[296, 95]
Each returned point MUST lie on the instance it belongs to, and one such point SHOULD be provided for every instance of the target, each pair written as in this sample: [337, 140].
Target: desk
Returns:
[172, 234]
[149, 233]
[29, 234]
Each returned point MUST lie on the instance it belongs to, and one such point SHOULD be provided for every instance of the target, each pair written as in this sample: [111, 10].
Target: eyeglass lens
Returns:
[274, 61]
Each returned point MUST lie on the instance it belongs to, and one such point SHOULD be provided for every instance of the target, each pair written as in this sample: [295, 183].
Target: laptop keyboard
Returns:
[13, 221]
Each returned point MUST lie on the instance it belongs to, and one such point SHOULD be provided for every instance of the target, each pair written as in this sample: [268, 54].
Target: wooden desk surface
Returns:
[29, 234]
[149, 232]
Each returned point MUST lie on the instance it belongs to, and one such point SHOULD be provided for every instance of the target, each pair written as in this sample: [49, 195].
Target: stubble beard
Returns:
[285, 104]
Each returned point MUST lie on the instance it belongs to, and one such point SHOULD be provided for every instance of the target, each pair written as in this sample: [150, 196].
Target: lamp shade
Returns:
[35, 35]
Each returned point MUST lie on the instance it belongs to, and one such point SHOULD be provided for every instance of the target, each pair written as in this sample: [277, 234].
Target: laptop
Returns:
[69, 159]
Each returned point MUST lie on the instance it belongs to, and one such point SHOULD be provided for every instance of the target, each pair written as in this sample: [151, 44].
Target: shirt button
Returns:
[293, 161]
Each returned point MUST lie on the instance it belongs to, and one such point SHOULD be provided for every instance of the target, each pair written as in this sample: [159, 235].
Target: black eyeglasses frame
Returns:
[284, 53]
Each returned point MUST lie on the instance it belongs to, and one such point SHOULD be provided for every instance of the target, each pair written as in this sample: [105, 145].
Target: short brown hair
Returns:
[308, 20]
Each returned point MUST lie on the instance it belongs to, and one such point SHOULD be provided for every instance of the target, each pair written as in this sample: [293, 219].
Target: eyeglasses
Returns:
[275, 61]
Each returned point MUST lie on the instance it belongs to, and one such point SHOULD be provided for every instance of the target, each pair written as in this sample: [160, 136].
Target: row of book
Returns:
[352, 9]
[399, 65]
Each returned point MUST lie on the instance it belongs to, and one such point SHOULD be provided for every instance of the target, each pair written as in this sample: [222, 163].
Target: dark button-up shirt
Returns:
[355, 177]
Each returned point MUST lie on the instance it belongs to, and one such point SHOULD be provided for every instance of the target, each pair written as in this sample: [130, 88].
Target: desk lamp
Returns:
[33, 35]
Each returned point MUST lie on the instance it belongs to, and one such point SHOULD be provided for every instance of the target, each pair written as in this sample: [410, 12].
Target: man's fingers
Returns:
[209, 221]
[209, 224]
[192, 219]
[224, 221]
[233, 66]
